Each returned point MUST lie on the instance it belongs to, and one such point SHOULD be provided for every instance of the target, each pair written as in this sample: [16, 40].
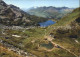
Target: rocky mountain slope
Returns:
[66, 32]
[50, 12]
[5, 52]
[68, 22]
[12, 15]
[70, 18]
[59, 40]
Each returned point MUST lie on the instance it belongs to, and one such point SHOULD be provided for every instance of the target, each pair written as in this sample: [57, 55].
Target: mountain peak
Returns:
[35, 7]
[13, 6]
[50, 11]
[2, 3]
[12, 15]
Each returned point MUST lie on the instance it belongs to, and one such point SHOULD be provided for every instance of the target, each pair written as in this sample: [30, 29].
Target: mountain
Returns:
[66, 32]
[66, 20]
[50, 12]
[12, 15]
[59, 40]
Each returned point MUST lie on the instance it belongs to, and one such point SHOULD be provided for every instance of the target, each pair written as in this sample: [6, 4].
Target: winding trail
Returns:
[51, 38]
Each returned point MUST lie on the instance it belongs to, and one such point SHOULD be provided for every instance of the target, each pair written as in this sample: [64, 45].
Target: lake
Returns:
[47, 23]
[48, 46]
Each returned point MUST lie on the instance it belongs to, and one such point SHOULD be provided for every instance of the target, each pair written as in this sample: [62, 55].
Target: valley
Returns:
[29, 40]
[27, 35]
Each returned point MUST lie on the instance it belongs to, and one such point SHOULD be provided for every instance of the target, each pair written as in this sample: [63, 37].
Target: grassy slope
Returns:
[6, 53]
[63, 40]
[65, 20]
[37, 36]
[69, 18]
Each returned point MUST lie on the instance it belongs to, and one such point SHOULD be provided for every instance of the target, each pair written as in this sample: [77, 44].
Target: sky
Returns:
[39, 3]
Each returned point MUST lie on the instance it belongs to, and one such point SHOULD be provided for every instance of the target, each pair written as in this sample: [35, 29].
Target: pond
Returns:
[47, 23]
[48, 46]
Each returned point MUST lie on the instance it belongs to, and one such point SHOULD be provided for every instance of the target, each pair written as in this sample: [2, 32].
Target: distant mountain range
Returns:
[12, 15]
[50, 12]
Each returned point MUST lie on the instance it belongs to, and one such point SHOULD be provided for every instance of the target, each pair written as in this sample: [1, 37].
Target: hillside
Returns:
[5, 52]
[66, 32]
[71, 21]
[50, 12]
[12, 15]
[69, 18]
[45, 42]
[59, 40]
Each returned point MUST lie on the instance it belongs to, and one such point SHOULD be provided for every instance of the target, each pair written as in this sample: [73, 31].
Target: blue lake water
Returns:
[47, 23]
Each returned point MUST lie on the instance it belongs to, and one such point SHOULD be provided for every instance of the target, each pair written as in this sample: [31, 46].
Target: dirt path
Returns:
[49, 38]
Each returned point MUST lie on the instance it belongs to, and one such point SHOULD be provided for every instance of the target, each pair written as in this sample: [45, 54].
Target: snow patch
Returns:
[16, 35]
[76, 41]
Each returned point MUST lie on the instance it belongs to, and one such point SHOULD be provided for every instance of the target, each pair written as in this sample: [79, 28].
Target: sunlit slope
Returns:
[69, 18]
[65, 20]
[4, 52]
[66, 32]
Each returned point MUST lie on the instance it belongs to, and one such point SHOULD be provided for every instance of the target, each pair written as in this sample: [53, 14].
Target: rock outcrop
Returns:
[12, 15]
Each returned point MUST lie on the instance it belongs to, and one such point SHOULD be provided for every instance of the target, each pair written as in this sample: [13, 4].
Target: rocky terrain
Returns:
[12, 15]
[59, 40]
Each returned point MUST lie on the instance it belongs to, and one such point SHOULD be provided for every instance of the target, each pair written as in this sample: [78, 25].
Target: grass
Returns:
[65, 37]
[31, 42]
[31, 38]
[69, 44]
[4, 52]
[66, 20]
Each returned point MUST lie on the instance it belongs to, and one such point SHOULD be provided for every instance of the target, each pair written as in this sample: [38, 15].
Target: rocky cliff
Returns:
[12, 15]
